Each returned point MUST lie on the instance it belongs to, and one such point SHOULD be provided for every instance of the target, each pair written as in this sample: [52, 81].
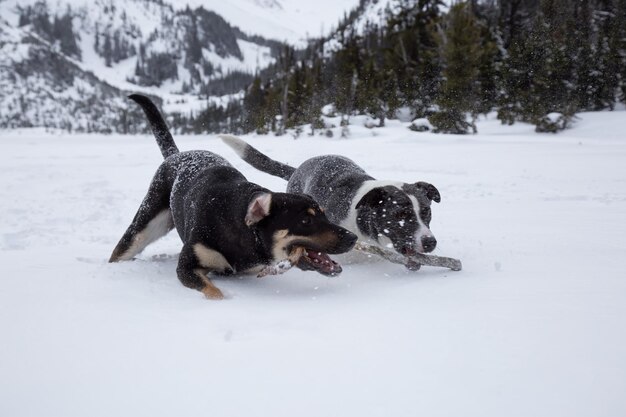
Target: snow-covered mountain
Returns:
[40, 86]
[144, 43]
[184, 52]
[292, 21]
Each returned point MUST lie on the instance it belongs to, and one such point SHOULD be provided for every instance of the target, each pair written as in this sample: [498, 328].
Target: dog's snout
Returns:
[429, 243]
[348, 239]
[344, 240]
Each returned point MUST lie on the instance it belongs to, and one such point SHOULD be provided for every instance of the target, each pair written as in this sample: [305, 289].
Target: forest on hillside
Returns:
[536, 61]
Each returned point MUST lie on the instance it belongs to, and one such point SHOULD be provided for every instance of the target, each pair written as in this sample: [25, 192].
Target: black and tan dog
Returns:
[227, 224]
[390, 214]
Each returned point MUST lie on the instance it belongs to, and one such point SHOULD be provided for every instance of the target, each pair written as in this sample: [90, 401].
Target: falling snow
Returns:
[529, 327]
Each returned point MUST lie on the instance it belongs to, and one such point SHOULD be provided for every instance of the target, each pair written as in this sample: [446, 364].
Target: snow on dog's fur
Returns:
[227, 223]
[390, 214]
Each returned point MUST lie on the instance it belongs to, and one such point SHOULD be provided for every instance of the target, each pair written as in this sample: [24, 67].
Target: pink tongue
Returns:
[321, 258]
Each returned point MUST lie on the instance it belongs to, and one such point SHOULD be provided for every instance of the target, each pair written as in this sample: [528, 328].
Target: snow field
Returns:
[533, 325]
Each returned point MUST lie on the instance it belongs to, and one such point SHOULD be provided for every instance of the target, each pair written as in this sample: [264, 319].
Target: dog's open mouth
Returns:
[313, 260]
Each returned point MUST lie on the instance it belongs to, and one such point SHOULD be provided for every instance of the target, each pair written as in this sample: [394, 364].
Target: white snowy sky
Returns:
[286, 20]
[290, 20]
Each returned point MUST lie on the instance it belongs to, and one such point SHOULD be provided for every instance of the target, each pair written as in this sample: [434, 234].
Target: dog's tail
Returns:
[257, 159]
[159, 128]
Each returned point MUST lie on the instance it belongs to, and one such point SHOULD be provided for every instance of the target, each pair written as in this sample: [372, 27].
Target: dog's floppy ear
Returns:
[259, 208]
[431, 192]
[373, 197]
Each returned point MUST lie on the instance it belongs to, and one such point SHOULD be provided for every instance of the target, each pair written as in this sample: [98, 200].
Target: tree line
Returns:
[537, 61]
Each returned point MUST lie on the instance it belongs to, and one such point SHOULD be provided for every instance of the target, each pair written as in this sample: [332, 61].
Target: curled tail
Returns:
[159, 128]
[257, 159]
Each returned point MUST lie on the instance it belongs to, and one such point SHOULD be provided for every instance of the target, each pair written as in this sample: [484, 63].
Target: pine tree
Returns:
[96, 45]
[552, 89]
[617, 46]
[346, 62]
[489, 69]
[606, 63]
[106, 50]
[24, 18]
[581, 51]
[460, 44]
[254, 108]
[370, 89]
[194, 47]
[412, 52]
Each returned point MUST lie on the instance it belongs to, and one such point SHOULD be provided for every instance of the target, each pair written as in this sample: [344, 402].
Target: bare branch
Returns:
[412, 262]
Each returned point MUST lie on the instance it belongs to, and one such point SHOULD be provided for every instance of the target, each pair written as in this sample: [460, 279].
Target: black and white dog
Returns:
[389, 214]
[226, 223]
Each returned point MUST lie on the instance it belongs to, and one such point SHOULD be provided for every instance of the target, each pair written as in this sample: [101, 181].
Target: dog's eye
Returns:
[306, 221]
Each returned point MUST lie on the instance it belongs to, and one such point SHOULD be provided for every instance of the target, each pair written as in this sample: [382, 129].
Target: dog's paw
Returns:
[411, 265]
[212, 293]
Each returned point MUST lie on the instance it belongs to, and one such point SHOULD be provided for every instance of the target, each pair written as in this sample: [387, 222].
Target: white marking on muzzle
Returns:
[423, 230]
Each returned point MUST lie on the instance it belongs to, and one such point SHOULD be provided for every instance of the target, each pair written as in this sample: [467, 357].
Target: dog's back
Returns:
[388, 213]
[331, 180]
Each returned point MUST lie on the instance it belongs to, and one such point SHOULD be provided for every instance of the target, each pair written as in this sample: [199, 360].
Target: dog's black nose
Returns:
[344, 242]
[429, 243]
[349, 239]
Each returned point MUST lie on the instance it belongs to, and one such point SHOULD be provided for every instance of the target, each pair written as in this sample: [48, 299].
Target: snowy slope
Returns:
[157, 27]
[288, 20]
[41, 87]
[533, 325]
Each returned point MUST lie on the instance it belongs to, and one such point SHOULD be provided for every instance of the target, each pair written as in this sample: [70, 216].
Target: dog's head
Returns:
[399, 216]
[294, 227]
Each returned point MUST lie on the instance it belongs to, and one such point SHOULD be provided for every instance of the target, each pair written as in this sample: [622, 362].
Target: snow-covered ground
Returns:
[535, 324]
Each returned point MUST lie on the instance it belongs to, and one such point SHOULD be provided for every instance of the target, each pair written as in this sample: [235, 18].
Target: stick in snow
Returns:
[412, 262]
[283, 266]
[276, 269]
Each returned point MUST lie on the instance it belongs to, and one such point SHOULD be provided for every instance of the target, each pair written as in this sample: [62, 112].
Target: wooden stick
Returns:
[412, 262]
[283, 266]
[276, 269]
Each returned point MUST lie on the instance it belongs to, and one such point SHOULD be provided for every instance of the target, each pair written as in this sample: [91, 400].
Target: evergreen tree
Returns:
[460, 43]
[254, 117]
[552, 87]
[96, 45]
[489, 68]
[107, 50]
[411, 51]
[345, 80]
[617, 46]
[194, 48]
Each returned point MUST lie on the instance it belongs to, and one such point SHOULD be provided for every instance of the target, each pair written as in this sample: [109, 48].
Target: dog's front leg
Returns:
[192, 272]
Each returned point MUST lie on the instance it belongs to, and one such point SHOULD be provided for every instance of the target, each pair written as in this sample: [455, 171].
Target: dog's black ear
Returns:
[258, 209]
[373, 198]
[431, 192]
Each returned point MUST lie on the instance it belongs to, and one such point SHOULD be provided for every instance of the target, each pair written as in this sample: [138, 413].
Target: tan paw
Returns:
[212, 293]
